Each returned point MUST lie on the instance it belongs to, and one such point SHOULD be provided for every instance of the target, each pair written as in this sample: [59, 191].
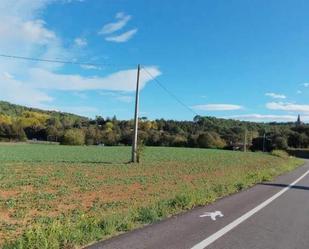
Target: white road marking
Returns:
[244, 217]
[212, 215]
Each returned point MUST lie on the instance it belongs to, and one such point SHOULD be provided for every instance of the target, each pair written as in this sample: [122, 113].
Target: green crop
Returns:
[62, 197]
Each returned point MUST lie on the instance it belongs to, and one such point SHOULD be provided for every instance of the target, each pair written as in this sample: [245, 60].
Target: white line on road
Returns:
[206, 242]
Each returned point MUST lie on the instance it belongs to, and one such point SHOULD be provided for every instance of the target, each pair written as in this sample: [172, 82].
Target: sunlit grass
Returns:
[60, 197]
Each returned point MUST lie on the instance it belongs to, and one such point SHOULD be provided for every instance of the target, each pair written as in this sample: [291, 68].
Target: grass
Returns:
[65, 197]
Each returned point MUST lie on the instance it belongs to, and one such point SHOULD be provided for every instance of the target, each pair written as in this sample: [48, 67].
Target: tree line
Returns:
[18, 123]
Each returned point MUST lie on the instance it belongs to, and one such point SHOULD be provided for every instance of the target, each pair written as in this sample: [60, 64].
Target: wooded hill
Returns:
[19, 123]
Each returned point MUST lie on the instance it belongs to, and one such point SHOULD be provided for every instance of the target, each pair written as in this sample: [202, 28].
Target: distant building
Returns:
[298, 122]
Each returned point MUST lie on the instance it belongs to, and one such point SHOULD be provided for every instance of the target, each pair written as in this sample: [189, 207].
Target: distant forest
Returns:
[19, 123]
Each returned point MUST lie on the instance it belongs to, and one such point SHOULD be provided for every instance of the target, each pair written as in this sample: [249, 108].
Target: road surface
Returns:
[272, 215]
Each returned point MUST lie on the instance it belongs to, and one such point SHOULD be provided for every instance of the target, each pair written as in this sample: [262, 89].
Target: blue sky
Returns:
[242, 59]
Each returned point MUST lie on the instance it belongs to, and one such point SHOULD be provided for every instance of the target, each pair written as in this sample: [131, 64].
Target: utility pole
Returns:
[264, 138]
[245, 141]
[135, 132]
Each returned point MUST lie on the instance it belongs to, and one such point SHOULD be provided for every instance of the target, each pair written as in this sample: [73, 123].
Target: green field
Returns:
[65, 197]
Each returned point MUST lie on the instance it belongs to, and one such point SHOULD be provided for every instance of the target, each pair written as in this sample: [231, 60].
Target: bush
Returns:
[140, 150]
[179, 141]
[74, 137]
[270, 142]
[181, 201]
[147, 215]
[279, 143]
[280, 153]
[210, 140]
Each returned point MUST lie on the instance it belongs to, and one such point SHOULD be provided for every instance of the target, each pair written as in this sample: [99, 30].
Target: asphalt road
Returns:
[272, 215]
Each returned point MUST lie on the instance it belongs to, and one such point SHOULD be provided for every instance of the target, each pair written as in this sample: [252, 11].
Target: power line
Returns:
[62, 61]
[169, 92]
[98, 65]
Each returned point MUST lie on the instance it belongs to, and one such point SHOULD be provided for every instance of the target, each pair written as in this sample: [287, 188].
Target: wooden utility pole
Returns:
[245, 141]
[135, 132]
[264, 138]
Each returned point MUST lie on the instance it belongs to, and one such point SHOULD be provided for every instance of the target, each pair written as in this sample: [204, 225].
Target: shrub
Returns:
[210, 140]
[239, 186]
[280, 153]
[181, 201]
[279, 143]
[147, 215]
[179, 141]
[140, 150]
[74, 137]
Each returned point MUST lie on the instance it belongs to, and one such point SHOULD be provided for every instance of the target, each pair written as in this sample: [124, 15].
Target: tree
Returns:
[210, 140]
[17, 132]
[179, 141]
[74, 137]
[110, 138]
[279, 143]
[298, 140]
[53, 134]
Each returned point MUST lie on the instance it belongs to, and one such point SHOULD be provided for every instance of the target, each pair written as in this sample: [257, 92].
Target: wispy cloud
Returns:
[123, 37]
[7, 76]
[305, 84]
[80, 95]
[124, 80]
[125, 99]
[17, 92]
[276, 95]
[82, 110]
[91, 67]
[119, 96]
[24, 32]
[267, 118]
[87, 111]
[80, 42]
[290, 107]
[217, 107]
[109, 28]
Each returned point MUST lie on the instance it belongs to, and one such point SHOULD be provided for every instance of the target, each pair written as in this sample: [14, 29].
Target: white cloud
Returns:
[267, 118]
[115, 26]
[80, 42]
[290, 107]
[217, 107]
[71, 1]
[122, 37]
[305, 84]
[7, 76]
[299, 92]
[23, 32]
[275, 95]
[81, 110]
[125, 99]
[80, 95]
[91, 67]
[15, 91]
[109, 29]
[120, 96]
[23, 8]
[124, 80]
[86, 111]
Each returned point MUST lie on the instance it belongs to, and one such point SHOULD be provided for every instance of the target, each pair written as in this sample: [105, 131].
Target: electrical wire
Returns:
[105, 65]
[169, 92]
[63, 61]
